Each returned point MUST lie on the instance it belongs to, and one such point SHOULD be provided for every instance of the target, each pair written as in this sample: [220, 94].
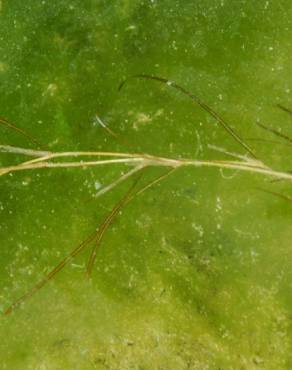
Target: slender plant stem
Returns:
[118, 181]
[28, 152]
[144, 160]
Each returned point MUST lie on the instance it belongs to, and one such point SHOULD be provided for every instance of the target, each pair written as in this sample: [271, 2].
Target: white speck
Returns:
[97, 185]
[218, 204]
[198, 228]
[26, 181]
[51, 89]
[131, 27]
[174, 45]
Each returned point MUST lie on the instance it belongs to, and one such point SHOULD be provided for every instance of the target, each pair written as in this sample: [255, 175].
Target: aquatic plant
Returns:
[138, 162]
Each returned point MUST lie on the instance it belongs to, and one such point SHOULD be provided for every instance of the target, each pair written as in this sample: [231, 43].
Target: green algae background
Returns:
[195, 273]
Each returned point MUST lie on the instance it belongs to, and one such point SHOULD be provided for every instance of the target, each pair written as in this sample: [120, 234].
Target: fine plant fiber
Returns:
[275, 132]
[138, 162]
[277, 194]
[95, 237]
[20, 131]
[284, 109]
[106, 224]
[198, 101]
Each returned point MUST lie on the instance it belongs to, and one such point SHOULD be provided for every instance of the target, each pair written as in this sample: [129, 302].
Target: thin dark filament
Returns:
[130, 195]
[269, 141]
[275, 132]
[6, 123]
[120, 139]
[105, 225]
[279, 195]
[198, 101]
[95, 235]
[156, 180]
[287, 110]
[51, 274]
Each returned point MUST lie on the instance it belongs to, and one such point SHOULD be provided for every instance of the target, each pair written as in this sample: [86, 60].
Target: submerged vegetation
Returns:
[146, 227]
[138, 162]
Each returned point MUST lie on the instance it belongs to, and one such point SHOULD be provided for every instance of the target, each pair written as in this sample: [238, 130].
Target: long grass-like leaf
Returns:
[287, 110]
[12, 126]
[51, 274]
[275, 132]
[275, 193]
[105, 225]
[130, 195]
[96, 235]
[198, 101]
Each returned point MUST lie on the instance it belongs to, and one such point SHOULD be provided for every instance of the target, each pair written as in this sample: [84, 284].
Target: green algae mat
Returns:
[146, 227]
